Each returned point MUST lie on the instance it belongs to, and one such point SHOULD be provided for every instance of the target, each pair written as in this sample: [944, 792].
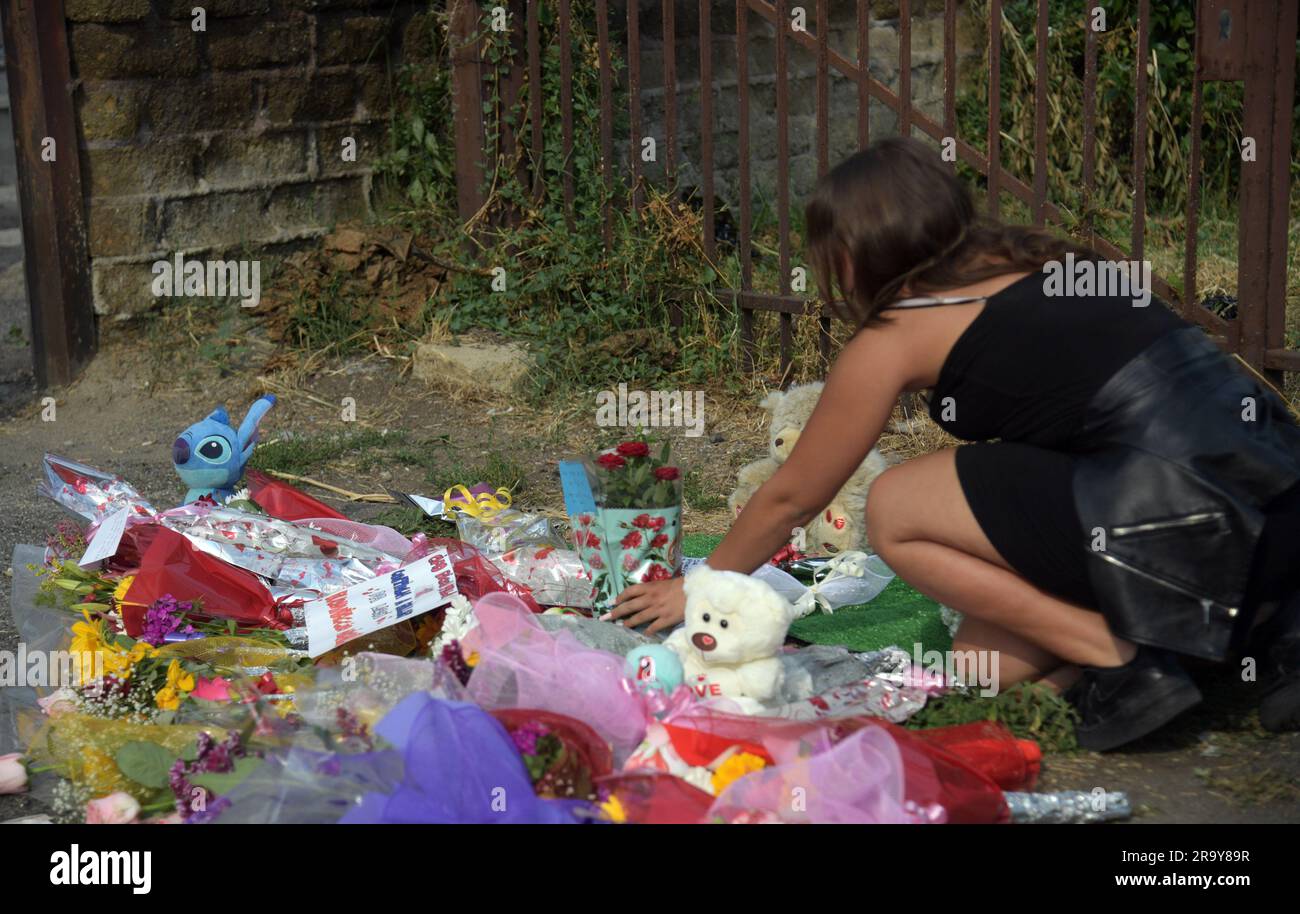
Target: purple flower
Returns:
[526, 737]
[165, 616]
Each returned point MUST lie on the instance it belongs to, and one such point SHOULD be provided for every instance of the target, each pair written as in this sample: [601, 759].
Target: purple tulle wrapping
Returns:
[461, 767]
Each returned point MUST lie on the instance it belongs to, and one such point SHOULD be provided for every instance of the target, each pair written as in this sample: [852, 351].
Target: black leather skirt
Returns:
[1186, 452]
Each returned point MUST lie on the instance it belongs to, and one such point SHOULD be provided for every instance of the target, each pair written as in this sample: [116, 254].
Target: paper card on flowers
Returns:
[424, 585]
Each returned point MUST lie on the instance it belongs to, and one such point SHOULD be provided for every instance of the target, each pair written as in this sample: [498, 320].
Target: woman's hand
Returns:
[661, 603]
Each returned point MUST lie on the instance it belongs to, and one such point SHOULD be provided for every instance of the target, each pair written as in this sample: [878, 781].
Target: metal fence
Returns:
[1253, 44]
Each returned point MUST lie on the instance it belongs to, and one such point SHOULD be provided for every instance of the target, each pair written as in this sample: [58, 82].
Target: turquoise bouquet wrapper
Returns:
[625, 509]
[620, 547]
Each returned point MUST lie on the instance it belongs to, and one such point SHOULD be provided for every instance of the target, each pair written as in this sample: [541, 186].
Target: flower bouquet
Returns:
[634, 535]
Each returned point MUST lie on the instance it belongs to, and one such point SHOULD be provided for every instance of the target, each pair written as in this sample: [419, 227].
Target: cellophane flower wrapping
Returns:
[521, 665]
[493, 534]
[460, 766]
[634, 536]
[556, 577]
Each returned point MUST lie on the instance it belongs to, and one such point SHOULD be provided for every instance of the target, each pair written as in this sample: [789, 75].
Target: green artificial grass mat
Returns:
[899, 616]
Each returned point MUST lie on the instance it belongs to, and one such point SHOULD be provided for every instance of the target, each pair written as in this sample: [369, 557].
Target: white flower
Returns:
[456, 623]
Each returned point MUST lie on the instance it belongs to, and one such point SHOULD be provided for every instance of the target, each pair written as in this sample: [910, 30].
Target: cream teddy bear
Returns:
[734, 627]
[841, 526]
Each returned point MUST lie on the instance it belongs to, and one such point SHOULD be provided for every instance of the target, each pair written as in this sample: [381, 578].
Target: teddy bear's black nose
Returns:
[704, 641]
[180, 450]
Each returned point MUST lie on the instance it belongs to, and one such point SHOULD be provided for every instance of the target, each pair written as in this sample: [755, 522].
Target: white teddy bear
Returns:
[734, 627]
[841, 526]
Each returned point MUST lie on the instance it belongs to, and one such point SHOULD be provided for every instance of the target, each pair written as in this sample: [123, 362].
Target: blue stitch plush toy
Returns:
[209, 456]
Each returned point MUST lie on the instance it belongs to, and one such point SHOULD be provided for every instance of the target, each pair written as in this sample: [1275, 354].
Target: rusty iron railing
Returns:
[1251, 43]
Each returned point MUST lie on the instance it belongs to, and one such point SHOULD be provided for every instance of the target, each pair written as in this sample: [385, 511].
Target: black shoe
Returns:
[1119, 704]
[1276, 647]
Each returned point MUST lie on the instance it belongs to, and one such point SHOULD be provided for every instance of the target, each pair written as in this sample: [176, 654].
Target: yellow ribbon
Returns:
[483, 506]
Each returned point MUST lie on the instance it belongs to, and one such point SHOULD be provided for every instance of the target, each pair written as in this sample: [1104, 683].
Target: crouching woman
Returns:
[1130, 496]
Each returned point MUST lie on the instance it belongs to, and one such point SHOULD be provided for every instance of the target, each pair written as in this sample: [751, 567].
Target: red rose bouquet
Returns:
[634, 535]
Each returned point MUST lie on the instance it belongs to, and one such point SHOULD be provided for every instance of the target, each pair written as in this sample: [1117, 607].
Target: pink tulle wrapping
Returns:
[857, 781]
[521, 665]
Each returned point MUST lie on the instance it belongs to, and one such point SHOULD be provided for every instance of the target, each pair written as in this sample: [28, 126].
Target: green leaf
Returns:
[417, 128]
[145, 763]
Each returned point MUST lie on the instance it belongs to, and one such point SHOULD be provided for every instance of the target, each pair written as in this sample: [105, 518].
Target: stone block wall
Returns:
[226, 141]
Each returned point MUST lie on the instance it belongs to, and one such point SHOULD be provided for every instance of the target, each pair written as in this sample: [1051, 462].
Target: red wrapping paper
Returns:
[959, 768]
[170, 565]
[283, 501]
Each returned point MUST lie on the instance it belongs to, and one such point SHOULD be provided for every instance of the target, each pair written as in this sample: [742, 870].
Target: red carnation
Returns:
[659, 541]
[611, 461]
[667, 474]
[644, 521]
[634, 449]
[656, 573]
[657, 523]
[632, 540]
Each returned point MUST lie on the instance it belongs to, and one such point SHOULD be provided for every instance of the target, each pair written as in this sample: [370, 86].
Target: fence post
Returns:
[1262, 235]
[467, 106]
[55, 253]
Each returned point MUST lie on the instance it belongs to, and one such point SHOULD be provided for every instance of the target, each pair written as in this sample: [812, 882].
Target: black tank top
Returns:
[1027, 366]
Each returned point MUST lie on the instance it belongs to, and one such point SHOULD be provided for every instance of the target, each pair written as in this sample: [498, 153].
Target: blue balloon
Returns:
[654, 666]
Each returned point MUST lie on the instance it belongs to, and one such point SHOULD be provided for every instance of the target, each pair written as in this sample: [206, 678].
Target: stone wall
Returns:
[226, 140]
[927, 84]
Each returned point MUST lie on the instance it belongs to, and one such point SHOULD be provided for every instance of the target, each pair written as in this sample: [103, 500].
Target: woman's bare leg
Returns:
[920, 524]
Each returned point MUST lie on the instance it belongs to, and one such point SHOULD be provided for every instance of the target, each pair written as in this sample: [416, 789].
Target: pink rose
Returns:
[58, 702]
[216, 689]
[115, 809]
[13, 773]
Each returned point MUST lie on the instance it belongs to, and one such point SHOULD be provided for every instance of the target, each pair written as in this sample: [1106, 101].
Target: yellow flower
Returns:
[119, 593]
[88, 636]
[167, 699]
[736, 766]
[142, 650]
[613, 808]
[89, 640]
[179, 683]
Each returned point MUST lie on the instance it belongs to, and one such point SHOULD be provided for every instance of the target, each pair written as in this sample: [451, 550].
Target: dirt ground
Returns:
[122, 415]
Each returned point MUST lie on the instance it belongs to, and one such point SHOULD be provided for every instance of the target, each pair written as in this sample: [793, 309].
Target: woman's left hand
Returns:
[661, 603]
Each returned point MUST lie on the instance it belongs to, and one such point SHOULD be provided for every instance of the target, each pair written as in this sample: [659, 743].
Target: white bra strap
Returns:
[931, 302]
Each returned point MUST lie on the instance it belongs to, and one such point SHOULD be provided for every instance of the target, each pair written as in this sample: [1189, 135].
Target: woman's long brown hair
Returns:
[906, 221]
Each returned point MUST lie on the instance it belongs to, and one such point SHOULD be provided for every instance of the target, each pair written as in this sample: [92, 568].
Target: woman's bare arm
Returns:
[854, 406]
[853, 409]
